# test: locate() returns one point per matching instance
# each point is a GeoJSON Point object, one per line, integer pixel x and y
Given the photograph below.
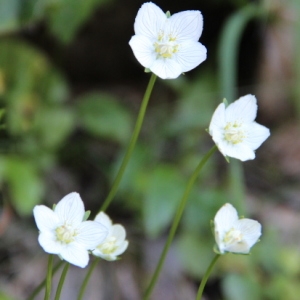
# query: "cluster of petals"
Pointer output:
{"type": "Point", "coordinates": [63, 230]}
{"type": "Point", "coordinates": [167, 45]}
{"type": "Point", "coordinates": [234, 130]}
{"type": "Point", "coordinates": [233, 234]}
{"type": "Point", "coordinates": [115, 243]}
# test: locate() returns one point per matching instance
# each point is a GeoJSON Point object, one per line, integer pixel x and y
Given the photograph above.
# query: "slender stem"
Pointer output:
{"type": "Point", "coordinates": [87, 278]}
{"type": "Point", "coordinates": [176, 221]}
{"type": "Point", "coordinates": [42, 284]}
{"type": "Point", "coordinates": [131, 145]}
{"type": "Point", "coordinates": [206, 276]}
{"type": "Point", "coordinates": [228, 74]}
{"type": "Point", "coordinates": [62, 281]}
{"type": "Point", "coordinates": [49, 278]}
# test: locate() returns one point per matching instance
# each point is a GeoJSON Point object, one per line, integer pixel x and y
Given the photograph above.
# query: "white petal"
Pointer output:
{"type": "Point", "coordinates": [118, 232]}
{"type": "Point", "coordinates": [45, 218]}
{"type": "Point", "coordinates": [70, 209]}
{"type": "Point", "coordinates": [121, 249]}
{"type": "Point", "coordinates": [217, 122]}
{"type": "Point", "coordinates": [91, 234]}
{"type": "Point", "coordinates": [256, 135]}
{"type": "Point", "coordinates": [104, 219]}
{"type": "Point", "coordinates": [49, 243]}
{"type": "Point", "coordinates": [75, 254]}
{"type": "Point", "coordinates": [224, 219]}
{"type": "Point", "coordinates": [241, 247]}
{"type": "Point", "coordinates": [243, 110]}
{"type": "Point", "coordinates": [250, 229]}
{"type": "Point", "coordinates": [149, 20]}
{"type": "Point", "coordinates": [190, 55]}
{"type": "Point", "coordinates": [143, 50]}
{"type": "Point", "coordinates": [166, 68]}
{"type": "Point", "coordinates": [239, 151]}
{"type": "Point", "coordinates": [186, 25]}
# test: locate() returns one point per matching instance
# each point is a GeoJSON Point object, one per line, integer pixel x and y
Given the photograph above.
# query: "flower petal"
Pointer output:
{"type": "Point", "coordinates": [166, 68]}
{"type": "Point", "coordinates": [49, 243]}
{"type": "Point", "coordinates": [70, 209]}
{"type": "Point", "coordinates": [45, 218]}
{"type": "Point", "coordinates": [190, 55]}
{"type": "Point", "coordinates": [217, 122]}
{"type": "Point", "coordinates": [149, 20]}
{"type": "Point", "coordinates": [250, 229]}
{"type": "Point", "coordinates": [75, 254]}
{"type": "Point", "coordinates": [143, 50]}
{"type": "Point", "coordinates": [224, 218]}
{"type": "Point", "coordinates": [103, 219]}
{"type": "Point", "coordinates": [118, 232]}
{"type": "Point", "coordinates": [91, 234]}
{"type": "Point", "coordinates": [243, 110]}
{"type": "Point", "coordinates": [239, 151]}
{"type": "Point", "coordinates": [256, 135]}
{"type": "Point", "coordinates": [241, 247]}
{"type": "Point", "coordinates": [121, 249]}
{"type": "Point", "coordinates": [186, 25]}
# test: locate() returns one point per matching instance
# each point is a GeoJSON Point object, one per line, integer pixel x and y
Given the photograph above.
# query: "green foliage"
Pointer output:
{"type": "Point", "coordinates": [32, 92]}
{"type": "Point", "coordinates": [165, 186]}
{"type": "Point", "coordinates": [102, 116]}
{"type": "Point", "coordinates": [66, 16]}
{"type": "Point", "coordinates": [236, 286]}
{"type": "Point", "coordinates": [25, 182]}
{"type": "Point", "coordinates": [195, 252]}
{"type": "Point", "coordinates": [17, 13]}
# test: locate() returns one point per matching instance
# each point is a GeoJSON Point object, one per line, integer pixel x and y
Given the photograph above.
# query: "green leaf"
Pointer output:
{"type": "Point", "coordinates": [25, 184]}
{"type": "Point", "coordinates": [9, 13]}
{"type": "Point", "coordinates": [238, 286]}
{"type": "Point", "coordinates": [15, 14]}
{"type": "Point", "coordinates": [195, 252]}
{"type": "Point", "coordinates": [53, 125]}
{"type": "Point", "coordinates": [195, 106]}
{"type": "Point", "coordinates": [164, 190]}
{"type": "Point", "coordinates": [66, 16]}
{"type": "Point", "coordinates": [102, 116]}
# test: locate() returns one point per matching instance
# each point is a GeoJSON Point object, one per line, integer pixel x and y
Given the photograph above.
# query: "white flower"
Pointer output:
{"type": "Point", "coordinates": [115, 243]}
{"type": "Point", "coordinates": [234, 131]}
{"type": "Point", "coordinates": [167, 45]}
{"type": "Point", "coordinates": [233, 234]}
{"type": "Point", "coordinates": [63, 231]}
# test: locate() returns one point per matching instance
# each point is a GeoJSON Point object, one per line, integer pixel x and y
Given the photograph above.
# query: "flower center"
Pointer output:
{"type": "Point", "coordinates": [233, 236]}
{"type": "Point", "coordinates": [165, 46]}
{"type": "Point", "coordinates": [109, 246]}
{"type": "Point", "coordinates": [65, 234]}
{"type": "Point", "coordinates": [234, 133]}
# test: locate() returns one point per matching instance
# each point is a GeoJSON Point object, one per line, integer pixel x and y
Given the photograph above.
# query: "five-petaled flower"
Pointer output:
{"type": "Point", "coordinates": [234, 130]}
{"type": "Point", "coordinates": [64, 232]}
{"type": "Point", "coordinates": [115, 243]}
{"type": "Point", "coordinates": [233, 234]}
{"type": "Point", "coordinates": [167, 45]}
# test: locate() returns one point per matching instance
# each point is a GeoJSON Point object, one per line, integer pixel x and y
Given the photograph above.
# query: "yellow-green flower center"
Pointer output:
{"type": "Point", "coordinates": [233, 236]}
{"type": "Point", "coordinates": [109, 246]}
{"type": "Point", "coordinates": [65, 234]}
{"type": "Point", "coordinates": [234, 133]}
{"type": "Point", "coordinates": [165, 47]}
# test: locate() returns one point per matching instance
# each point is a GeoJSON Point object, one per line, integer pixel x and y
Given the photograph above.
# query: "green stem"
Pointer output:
{"type": "Point", "coordinates": [131, 145]}
{"type": "Point", "coordinates": [42, 284]}
{"type": "Point", "coordinates": [176, 221]}
{"type": "Point", "coordinates": [62, 281]}
{"type": "Point", "coordinates": [49, 278]}
{"type": "Point", "coordinates": [87, 278]}
{"type": "Point", "coordinates": [228, 60]}
{"type": "Point", "coordinates": [206, 276]}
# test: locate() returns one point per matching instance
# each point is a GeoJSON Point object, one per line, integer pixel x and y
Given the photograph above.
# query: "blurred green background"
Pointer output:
{"type": "Point", "coordinates": [70, 90]}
